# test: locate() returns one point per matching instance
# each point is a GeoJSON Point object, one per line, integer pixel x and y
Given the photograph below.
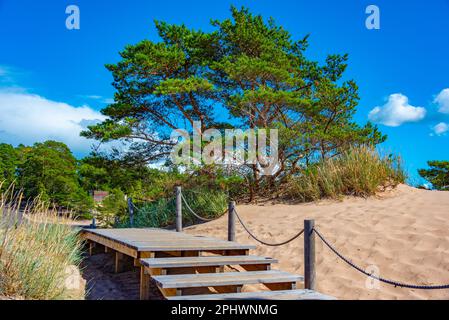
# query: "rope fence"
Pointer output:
{"type": "Point", "coordinates": [387, 281]}
{"type": "Point", "coordinates": [194, 213]}
{"type": "Point", "coordinates": [296, 236]}
{"type": "Point", "coordinates": [309, 244]}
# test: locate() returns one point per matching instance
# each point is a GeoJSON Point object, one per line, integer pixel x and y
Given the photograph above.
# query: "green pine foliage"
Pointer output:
{"type": "Point", "coordinates": [252, 67]}
{"type": "Point", "coordinates": [261, 77]}
{"type": "Point", "coordinates": [437, 174]}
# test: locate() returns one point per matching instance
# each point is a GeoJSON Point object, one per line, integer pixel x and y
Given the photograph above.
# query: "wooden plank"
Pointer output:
{"type": "Point", "coordinates": [144, 285]}
{"type": "Point", "coordinates": [228, 289]}
{"type": "Point", "coordinates": [170, 292]}
{"type": "Point", "coordinates": [183, 270]}
{"type": "Point", "coordinates": [225, 279]}
{"type": "Point", "coordinates": [281, 286]}
{"type": "Point", "coordinates": [240, 252]}
{"type": "Point", "coordinates": [151, 234]}
{"type": "Point", "coordinates": [111, 244]}
{"type": "Point", "coordinates": [264, 295]}
{"type": "Point", "coordinates": [190, 254]}
{"type": "Point", "coordinates": [206, 261]}
{"type": "Point", "coordinates": [143, 255]}
{"type": "Point", "coordinates": [180, 246]}
{"type": "Point", "coordinates": [256, 267]}
{"type": "Point", "coordinates": [149, 240]}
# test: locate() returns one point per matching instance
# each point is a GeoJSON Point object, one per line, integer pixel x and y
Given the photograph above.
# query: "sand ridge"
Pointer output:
{"type": "Point", "coordinates": [404, 233]}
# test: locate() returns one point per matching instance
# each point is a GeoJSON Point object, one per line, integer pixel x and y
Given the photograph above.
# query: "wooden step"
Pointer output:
{"type": "Point", "coordinates": [300, 294]}
{"type": "Point", "coordinates": [171, 285]}
{"type": "Point", "coordinates": [181, 262]}
{"type": "Point", "coordinates": [130, 241]}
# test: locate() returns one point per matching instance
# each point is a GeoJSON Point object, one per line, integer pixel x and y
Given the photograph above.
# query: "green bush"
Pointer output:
{"type": "Point", "coordinates": [161, 213]}
{"type": "Point", "coordinates": [113, 207]}
{"type": "Point", "coordinates": [359, 171]}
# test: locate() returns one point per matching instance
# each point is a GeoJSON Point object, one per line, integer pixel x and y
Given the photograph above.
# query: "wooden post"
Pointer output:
{"type": "Point", "coordinates": [131, 211]}
{"type": "Point", "coordinates": [231, 221]}
{"type": "Point", "coordinates": [178, 209]}
{"type": "Point", "coordinates": [144, 284]}
{"type": "Point", "coordinates": [309, 255]}
{"type": "Point", "coordinates": [119, 263]}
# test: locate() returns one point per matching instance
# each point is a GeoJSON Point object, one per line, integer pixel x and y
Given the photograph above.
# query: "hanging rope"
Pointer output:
{"type": "Point", "coordinates": [263, 242]}
{"type": "Point", "coordinates": [387, 281]}
{"type": "Point", "coordinates": [194, 213]}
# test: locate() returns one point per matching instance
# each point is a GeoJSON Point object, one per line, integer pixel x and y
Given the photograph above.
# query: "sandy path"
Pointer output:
{"type": "Point", "coordinates": [404, 233]}
{"type": "Point", "coordinates": [104, 284]}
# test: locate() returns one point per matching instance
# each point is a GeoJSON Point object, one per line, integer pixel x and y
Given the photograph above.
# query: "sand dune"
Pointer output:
{"type": "Point", "coordinates": [404, 233]}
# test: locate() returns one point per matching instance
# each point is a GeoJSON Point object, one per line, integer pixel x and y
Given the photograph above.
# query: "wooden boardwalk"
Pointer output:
{"type": "Point", "coordinates": [190, 267]}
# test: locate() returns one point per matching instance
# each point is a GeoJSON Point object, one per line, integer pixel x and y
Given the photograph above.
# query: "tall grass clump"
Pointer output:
{"type": "Point", "coordinates": [38, 248]}
{"type": "Point", "coordinates": [358, 171]}
{"type": "Point", "coordinates": [209, 204]}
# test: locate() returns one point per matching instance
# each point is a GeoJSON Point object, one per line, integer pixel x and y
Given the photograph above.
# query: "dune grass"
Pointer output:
{"type": "Point", "coordinates": [37, 251]}
{"type": "Point", "coordinates": [359, 171]}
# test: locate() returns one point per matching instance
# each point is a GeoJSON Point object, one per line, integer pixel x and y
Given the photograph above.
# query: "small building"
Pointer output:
{"type": "Point", "coordinates": [99, 196]}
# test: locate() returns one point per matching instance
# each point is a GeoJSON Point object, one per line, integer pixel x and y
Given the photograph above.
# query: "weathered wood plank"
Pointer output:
{"type": "Point", "coordinates": [157, 240]}
{"type": "Point", "coordinates": [225, 279]}
{"type": "Point", "coordinates": [207, 261]}
{"type": "Point", "coordinates": [264, 295]}
{"type": "Point", "coordinates": [281, 286]}
{"type": "Point", "coordinates": [183, 270]}
{"type": "Point", "coordinates": [185, 246]}
{"type": "Point", "coordinates": [111, 244]}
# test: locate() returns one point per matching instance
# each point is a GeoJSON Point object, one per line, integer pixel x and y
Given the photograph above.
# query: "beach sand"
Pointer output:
{"type": "Point", "coordinates": [404, 233]}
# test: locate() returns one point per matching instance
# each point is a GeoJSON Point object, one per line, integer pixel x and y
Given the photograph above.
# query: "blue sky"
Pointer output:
{"type": "Point", "coordinates": [53, 81]}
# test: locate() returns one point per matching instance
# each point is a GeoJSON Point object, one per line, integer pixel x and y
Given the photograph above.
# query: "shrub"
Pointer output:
{"type": "Point", "coordinates": [113, 207]}
{"type": "Point", "coordinates": [161, 213]}
{"type": "Point", "coordinates": [36, 254]}
{"type": "Point", "coordinates": [359, 171]}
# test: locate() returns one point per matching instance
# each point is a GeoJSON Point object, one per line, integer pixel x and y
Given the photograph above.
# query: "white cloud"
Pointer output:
{"type": "Point", "coordinates": [441, 128]}
{"type": "Point", "coordinates": [396, 112]}
{"type": "Point", "coordinates": [27, 118]}
{"type": "Point", "coordinates": [98, 98]}
{"type": "Point", "coordinates": [442, 100]}
{"type": "Point", "coordinates": [94, 97]}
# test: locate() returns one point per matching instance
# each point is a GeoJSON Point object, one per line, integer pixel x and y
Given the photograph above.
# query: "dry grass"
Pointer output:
{"type": "Point", "coordinates": [360, 171]}
{"type": "Point", "coordinates": [36, 251]}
